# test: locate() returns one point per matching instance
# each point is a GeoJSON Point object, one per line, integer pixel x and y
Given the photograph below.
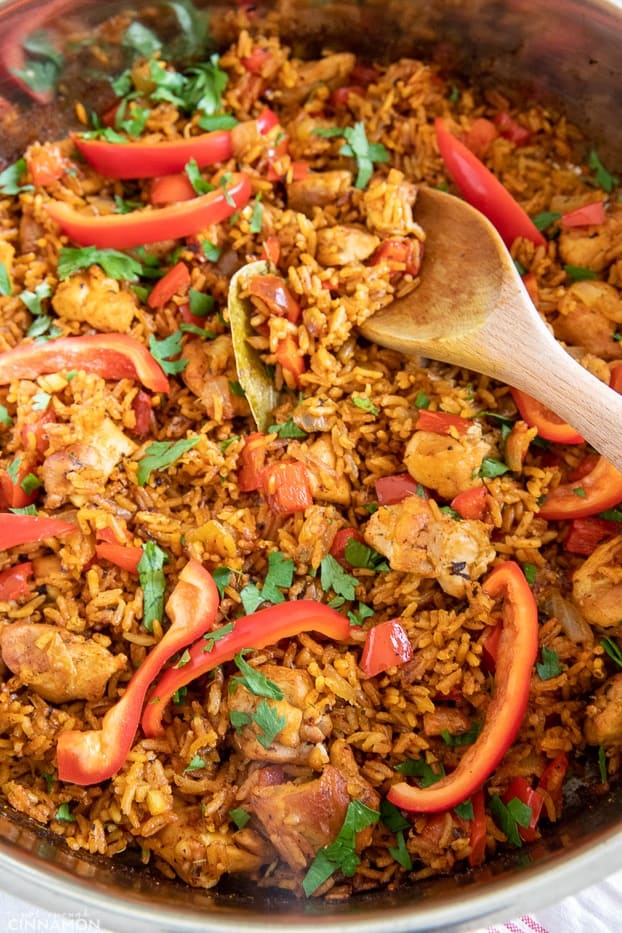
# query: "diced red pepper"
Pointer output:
{"type": "Point", "coordinates": [45, 164]}
{"type": "Point", "coordinates": [340, 543]}
{"type": "Point", "coordinates": [552, 779]}
{"type": "Point", "coordinates": [94, 756]}
{"type": "Point", "coordinates": [480, 135]}
{"type": "Point", "coordinates": [13, 495]}
{"type": "Point", "coordinates": [174, 282]}
{"type": "Point", "coordinates": [261, 628]}
{"type": "Point", "coordinates": [29, 529]}
{"type": "Point", "coordinates": [441, 422]}
{"type": "Point", "coordinates": [124, 556]}
{"type": "Point", "coordinates": [14, 581]}
{"type": "Point", "coordinates": [256, 61]}
{"type": "Point", "coordinates": [549, 425]}
{"type": "Point", "coordinates": [272, 249]}
{"type": "Point", "coordinates": [138, 228]}
{"type": "Point", "coordinates": [252, 461]}
{"type": "Point", "coordinates": [598, 490]}
{"type": "Point", "coordinates": [395, 488]}
{"type": "Point", "coordinates": [170, 189]}
{"type": "Point", "coordinates": [518, 648]}
{"type": "Point", "coordinates": [589, 215]}
{"type": "Point", "coordinates": [141, 406]}
{"type": "Point", "coordinates": [521, 790]}
{"type": "Point", "coordinates": [111, 356]}
{"type": "Point", "coordinates": [477, 836]}
{"type": "Point", "coordinates": [275, 294]}
{"type": "Point", "coordinates": [286, 487]}
{"type": "Point", "coordinates": [288, 355]}
{"type": "Point", "coordinates": [404, 252]}
{"type": "Point", "coordinates": [386, 645]}
{"type": "Point", "coordinates": [510, 129]}
{"type": "Point", "coordinates": [585, 534]}
{"type": "Point", "coordinates": [483, 191]}
{"type": "Point", "coordinates": [471, 503]}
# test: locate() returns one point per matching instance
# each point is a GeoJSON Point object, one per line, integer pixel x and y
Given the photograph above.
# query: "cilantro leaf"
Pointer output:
{"type": "Point", "coordinates": [254, 681]}
{"type": "Point", "coordinates": [222, 578]}
{"type": "Point", "coordinates": [5, 281]}
{"type": "Point", "coordinates": [422, 399]}
{"type": "Point", "coordinates": [140, 39]}
{"type": "Point", "coordinates": [256, 221]}
{"type": "Point", "coordinates": [161, 454]}
{"type": "Point", "coordinates": [400, 853]}
{"type": "Point", "coordinates": [200, 303]}
{"type": "Point", "coordinates": [240, 816]}
{"type": "Point", "coordinates": [357, 616]}
{"type": "Point", "coordinates": [280, 574]}
{"type": "Point", "coordinates": [392, 817]}
{"type": "Point", "coordinates": [217, 121]}
{"type": "Point", "coordinates": [33, 299]}
{"type": "Point", "coordinates": [365, 404]}
{"type": "Point", "coordinates": [287, 428]}
{"type": "Point", "coordinates": [612, 648]}
{"type": "Point", "coordinates": [491, 468]}
{"type": "Point", "coordinates": [333, 576]}
{"type": "Point", "coordinates": [359, 554]}
{"type": "Point", "coordinates": [463, 738]}
{"type": "Point", "coordinates": [418, 767]}
{"type": "Point", "coordinates": [216, 635]}
{"type": "Point", "coordinates": [208, 83]}
{"type": "Point", "coordinates": [10, 178]}
{"type": "Point", "coordinates": [340, 854]}
{"type": "Point", "coordinates": [549, 667]}
{"type": "Point", "coordinates": [510, 816]}
{"type": "Point", "coordinates": [544, 219]}
{"type": "Point", "coordinates": [64, 814]}
{"type": "Point", "coordinates": [239, 720]}
{"type": "Point", "coordinates": [197, 764]}
{"type": "Point", "coordinates": [153, 583]}
{"type": "Point", "coordinates": [365, 153]}
{"type": "Point", "coordinates": [269, 722]}
{"type": "Point", "coordinates": [193, 174]}
{"type": "Point", "coordinates": [163, 350]}
{"type": "Point", "coordinates": [5, 417]}
{"type": "Point", "coordinates": [602, 177]}
{"type": "Point", "coordinates": [115, 264]}
{"type": "Point", "coordinates": [579, 273]}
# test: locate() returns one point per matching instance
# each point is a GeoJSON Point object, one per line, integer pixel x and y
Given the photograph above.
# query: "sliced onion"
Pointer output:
{"type": "Point", "coordinates": [572, 622]}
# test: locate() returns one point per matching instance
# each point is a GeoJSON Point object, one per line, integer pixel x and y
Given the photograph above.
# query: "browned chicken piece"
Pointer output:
{"type": "Point", "coordinates": [331, 71]}
{"type": "Point", "coordinates": [597, 585]}
{"type": "Point", "coordinates": [415, 541]}
{"type": "Point", "coordinates": [445, 463]}
{"type": "Point", "coordinates": [603, 717]}
{"type": "Point", "coordinates": [304, 728]}
{"type": "Point", "coordinates": [445, 720]}
{"type": "Point", "coordinates": [79, 471]}
{"type": "Point", "coordinates": [319, 527]}
{"type": "Point", "coordinates": [343, 244]}
{"type": "Point", "coordinates": [30, 233]}
{"type": "Point", "coordinates": [400, 195]}
{"type": "Point", "coordinates": [97, 300]}
{"type": "Point", "coordinates": [206, 376]}
{"type": "Point", "coordinates": [328, 481]}
{"type": "Point", "coordinates": [593, 247]}
{"type": "Point", "coordinates": [342, 758]}
{"type": "Point", "coordinates": [57, 664]}
{"type": "Point", "coordinates": [318, 189]}
{"type": "Point", "coordinates": [200, 856]}
{"type": "Point", "coordinates": [589, 315]}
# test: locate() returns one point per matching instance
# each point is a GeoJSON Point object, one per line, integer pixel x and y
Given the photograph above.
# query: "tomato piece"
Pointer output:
{"type": "Point", "coordinates": [395, 488]}
{"type": "Point", "coordinates": [175, 281]}
{"type": "Point", "coordinates": [520, 788]}
{"type": "Point", "coordinates": [441, 422]}
{"type": "Point", "coordinates": [252, 461]}
{"type": "Point", "coordinates": [124, 556]}
{"type": "Point", "coordinates": [340, 543]}
{"type": "Point", "coordinates": [549, 425]}
{"type": "Point", "coordinates": [45, 164]}
{"type": "Point", "coordinates": [586, 216]}
{"type": "Point", "coordinates": [286, 487]}
{"type": "Point", "coordinates": [275, 294]}
{"type": "Point", "coordinates": [480, 135]}
{"type": "Point", "coordinates": [170, 189]}
{"type": "Point", "coordinates": [386, 645]}
{"type": "Point", "coordinates": [471, 503]}
{"type": "Point", "coordinates": [510, 129]}
{"type": "Point", "coordinates": [14, 581]}
{"type": "Point", "coordinates": [477, 837]}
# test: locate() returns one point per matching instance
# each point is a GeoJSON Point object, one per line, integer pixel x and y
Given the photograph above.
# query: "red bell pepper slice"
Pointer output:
{"type": "Point", "coordinates": [123, 231]}
{"type": "Point", "coordinates": [395, 488]}
{"type": "Point", "coordinates": [589, 215]}
{"type": "Point", "coordinates": [441, 422]}
{"type": "Point", "coordinates": [471, 503]}
{"type": "Point", "coordinates": [275, 294]}
{"type": "Point", "coordinates": [173, 282]}
{"type": "Point", "coordinates": [257, 630]}
{"type": "Point", "coordinates": [111, 356]}
{"type": "Point", "coordinates": [585, 534]}
{"type": "Point", "coordinates": [169, 189]}
{"type": "Point", "coordinates": [520, 789]}
{"type": "Point", "coordinates": [518, 646]}
{"type": "Point", "coordinates": [14, 581]}
{"type": "Point", "coordinates": [29, 529]}
{"type": "Point", "coordinates": [122, 555]}
{"type": "Point", "coordinates": [386, 645]}
{"type": "Point", "coordinates": [96, 755]}
{"type": "Point", "coordinates": [490, 648]}
{"type": "Point", "coordinates": [286, 487]}
{"type": "Point", "coordinates": [483, 191]}
{"type": "Point", "coordinates": [477, 837]}
{"type": "Point", "coordinates": [549, 425]}
{"type": "Point", "coordinates": [599, 489]}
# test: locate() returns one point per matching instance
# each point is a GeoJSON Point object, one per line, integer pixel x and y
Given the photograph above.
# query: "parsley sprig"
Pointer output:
{"type": "Point", "coordinates": [341, 854]}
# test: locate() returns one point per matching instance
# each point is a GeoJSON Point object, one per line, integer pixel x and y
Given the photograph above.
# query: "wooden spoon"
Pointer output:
{"type": "Point", "coordinates": [472, 309]}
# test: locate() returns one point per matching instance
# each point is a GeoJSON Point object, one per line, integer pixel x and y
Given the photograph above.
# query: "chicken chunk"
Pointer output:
{"type": "Point", "coordinates": [332, 70]}
{"type": "Point", "coordinates": [445, 463]}
{"type": "Point", "coordinates": [593, 247]}
{"type": "Point", "coordinates": [201, 857]}
{"type": "Point", "coordinates": [303, 727]}
{"type": "Point", "coordinates": [318, 189]}
{"type": "Point", "coordinates": [79, 471]}
{"type": "Point", "coordinates": [388, 203]}
{"type": "Point", "coordinates": [206, 376]}
{"type": "Point", "coordinates": [415, 541]}
{"type": "Point", "coordinates": [56, 664]}
{"type": "Point", "coordinates": [97, 300]}
{"type": "Point", "coordinates": [343, 244]}
{"type": "Point", "coordinates": [588, 317]}
{"type": "Point", "coordinates": [597, 585]}
{"type": "Point", "coordinates": [603, 717]}
{"type": "Point", "coordinates": [328, 481]}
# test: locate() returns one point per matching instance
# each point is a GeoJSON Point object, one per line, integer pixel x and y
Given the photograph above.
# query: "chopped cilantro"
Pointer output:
{"type": "Point", "coordinates": [602, 764]}
{"type": "Point", "coordinates": [43, 328]}
{"type": "Point", "coordinates": [254, 681]}
{"type": "Point", "coordinates": [365, 404]}
{"type": "Point", "coordinates": [357, 616]}
{"type": "Point", "coordinates": [140, 39]}
{"type": "Point", "coordinates": [392, 817]}
{"type": "Point", "coordinates": [465, 810]}
{"type": "Point", "coordinates": [549, 667]}
{"type": "Point", "coordinates": [11, 176]}
{"type": "Point", "coordinates": [40, 73]}
{"type": "Point", "coordinates": [400, 853]}
{"type": "Point", "coordinates": [210, 250]}
{"type": "Point", "coordinates": [418, 767]}
{"type": "Point", "coordinates": [612, 515]}
{"type": "Point", "coordinates": [256, 221]}
{"type": "Point", "coordinates": [579, 491]}
{"type": "Point", "coordinates": [197, 764]}
{"type": "Point", "coordinates": [359, 554]}
{"type": "Point", "coordinates": [240, 816]}
{"type": "Point", "coordinates": [280, 575]}
{"type": "Point", "coordinates": [269, 722]}
{"type": "Point", "coordinates": [161, 454]}
{"type": "Point", "coordinates": [207, 85]}
{"type": "Point", "coordinates": [340, 854]}
{"type": "Point", "coordinates": [422, 400]}
{"type": "Point", "coordinates": [200, 304]}
{"type": "Point", "coordinates": [217, 121]}
{"type": "Point", "coordinates": [33, 299]}
{"type": "Point", "coordinates": [5, 281]}
{"type": "Point", "coordinates": [115, 264]}
{"type": "Point", "coordinates": [612, 648]}
{"type": "Point", "coordinates": [30, 483]}
{"type": "Point", "coordinates": [222, 578]}
{"type": "Point", "coordinates": [183, 659]}
{"type": "Point", "coordinates": [216, 635]}
{"type": "Point", "coordinates": [193, 172]}
{"type": "Point", "coordinates": [287, 428]}
{"type": "Point", "coordinates": [5, 417]}
{"type": "Point", "coordinates": [491, 468]}
{"type": "Point", "coordinates": [153, 583]}
{"type": "Point", "coordinates": [64, 814]}
{"type": "Point", "coordinates": [239, 720]}
{"type": "Point", "coordinates": [163, 351]}
{"type": "Point", "coordinates": [48, 777]}
{"type": "Point", "coordinates": [26, 510]}
{"type": "Point", "coordinates": [365, 153]}
{"type": "Point", "coordinates": [602, 177]}
{"type": "Point", "coordinates": [579, 273]}
{"type": "Point", "coordinates": [236, 388]}
{"type": "Point", "coordinates": [530, 571]}
{"type": "Point", "coordinates": [124, 206]}
{"type": "Point", "coordinates": [180, 695]}
{"type": "Point", "coordinates": [334, 577]}
{"type": "Point", "coordinates": [132, 120]}
{"type": "Point", "coordinates": [222, 184]}
{"type": "Point", "coordinates": [544, 219]}
{"type": "Point", "coordinates": [13, 470]}
{"type": "Point", "coordinates": [199, 331]}
{"type": "Point", "coordinates": [463, 738]}
{"type": "Point", "coordinates": [509, 817]}
{"type": "Point", "coordinates": [454, 94]}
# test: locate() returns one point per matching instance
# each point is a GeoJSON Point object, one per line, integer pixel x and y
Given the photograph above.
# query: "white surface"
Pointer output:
{"type": "Point", "coordinates": [598, 909]}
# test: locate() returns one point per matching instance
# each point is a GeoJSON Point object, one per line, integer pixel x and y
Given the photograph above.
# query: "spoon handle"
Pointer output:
{"type": "Point", "coordinates": [541, 367]}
